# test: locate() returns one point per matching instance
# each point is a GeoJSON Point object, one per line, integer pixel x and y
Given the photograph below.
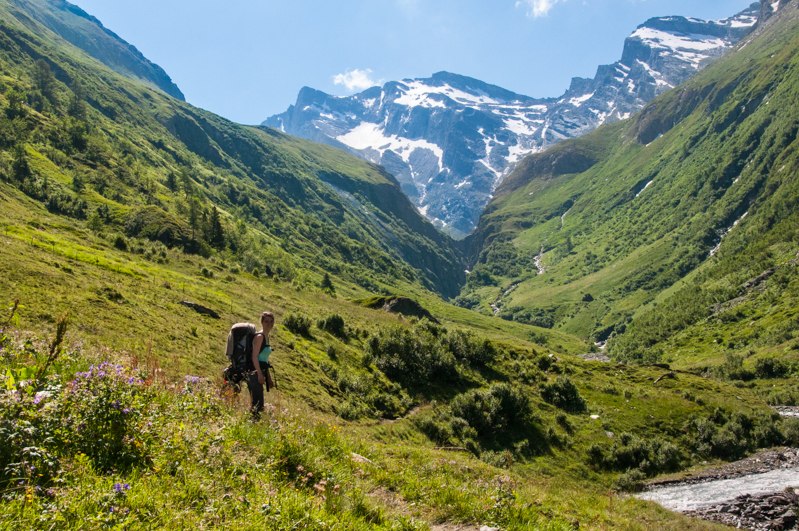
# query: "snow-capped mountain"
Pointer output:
{"type": "Point", "coordinates": [450, 140]}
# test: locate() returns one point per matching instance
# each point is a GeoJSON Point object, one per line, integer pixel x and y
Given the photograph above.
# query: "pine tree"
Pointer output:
{"type": "Point", "coordinates": [194, 216]}
{"type": "Point", "coordinates": [327, 285]}
{"type": "Point", "coordinates": [186, 182]}
{"type": "Point", "coordinates": [217, 233]}
{"type": "Point", "coordinates": [20, 163]}
{"type": "Point", "coordinates": [43, 80]}
{"type": "Point", "coordinates": [172, 182]}
{"type": "Point", "coordinates": [77, 104]}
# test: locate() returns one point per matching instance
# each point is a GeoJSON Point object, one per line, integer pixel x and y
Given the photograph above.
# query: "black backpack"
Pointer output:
{"type": "Point", "coordinates": [239, 352]}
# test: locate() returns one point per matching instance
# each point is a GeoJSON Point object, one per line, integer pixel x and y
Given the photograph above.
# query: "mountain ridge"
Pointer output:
{"type": "Point", "coordinates": [86, 32]}
{"type": "Point", "coordinates": [451, 140]}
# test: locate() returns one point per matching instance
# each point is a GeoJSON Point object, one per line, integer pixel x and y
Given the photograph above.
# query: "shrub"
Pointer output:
{"type": "Point", "coordinates": [334, 325]}
{"type": "Point", "coordinates": [28, 451]}
{"type": "Point", "coordinates": [411, 356]}
{"type": "Point", "coordinates": [771, 368]}
{"type": "Point", "coordinates": [562, 393]}
{"type": "Point", "coordinates": [121, 243]}
{"type": "Point", "coordinates": [494, 410]}
{"type": "Point", "coordinates": [297, 323]}
{"type": "Point", "coordinates": [790, 428]}
{"type": "Point", "coordinates": [465, 345]}
{"type": "Point", "coordinates": [630, 481]}
{"type": "Point", "coordinates": [235, 270]}
{"type": "Point", "coordinates": [435, 430]}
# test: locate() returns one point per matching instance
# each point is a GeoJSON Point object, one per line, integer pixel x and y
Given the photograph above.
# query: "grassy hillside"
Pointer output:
{"type": "Point", "coordinates": [618, 220]}
{"type": "Point", "coordinates": [85, 140]}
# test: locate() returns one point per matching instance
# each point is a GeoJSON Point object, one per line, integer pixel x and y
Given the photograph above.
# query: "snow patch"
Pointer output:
{"type": "Point", "coordinates": [577, 102]}
{"type": "Point", "coordinates": [368, 135]}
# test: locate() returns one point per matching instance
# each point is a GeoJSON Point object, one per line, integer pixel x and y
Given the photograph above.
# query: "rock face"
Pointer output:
{"type": "Point", "coordinates": [450, 140]}
{"type": "Point", "coordinates": [84, 31]}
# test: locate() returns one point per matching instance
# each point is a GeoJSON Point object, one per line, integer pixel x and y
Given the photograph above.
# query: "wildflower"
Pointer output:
{"type": "Point", "coordinates": [121, 487]}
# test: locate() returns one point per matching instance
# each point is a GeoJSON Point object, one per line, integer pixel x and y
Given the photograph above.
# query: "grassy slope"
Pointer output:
{"type": "Point", "coordinates": [727, 148]}
{"type": "Point", "coordinates": [262, 178]}
{"type": "Point", "coordinates": [553, 475]}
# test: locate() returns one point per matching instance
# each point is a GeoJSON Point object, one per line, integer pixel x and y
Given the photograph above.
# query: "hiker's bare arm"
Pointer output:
{"type": "Point", "coordinates": [256, 348]}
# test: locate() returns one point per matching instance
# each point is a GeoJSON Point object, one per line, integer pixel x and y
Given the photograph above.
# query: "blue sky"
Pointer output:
{"type": "Point", "coordinates": [247, 59]}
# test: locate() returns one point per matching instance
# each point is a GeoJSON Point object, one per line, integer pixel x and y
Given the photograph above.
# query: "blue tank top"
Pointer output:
{"type": "Point", "coordinates": [266, 351]}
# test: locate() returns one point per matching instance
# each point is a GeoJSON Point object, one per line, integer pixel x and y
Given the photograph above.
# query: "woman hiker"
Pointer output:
{"type": "Point", "coordinates": [261, 350]}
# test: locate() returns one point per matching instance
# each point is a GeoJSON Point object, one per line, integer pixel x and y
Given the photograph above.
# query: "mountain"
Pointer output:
{"type": "Point", "coordinates": [450, 140]}
{"type": "Point", "coordinates": [72, 24]}
{"type": "Point", "coordinates": [650, 225]}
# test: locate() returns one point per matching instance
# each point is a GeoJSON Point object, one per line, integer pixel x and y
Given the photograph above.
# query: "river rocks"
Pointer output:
{"type": "Point", "coordinates": [788, 411]}
{"type": "Point", "coordinates": [596, 356]}
{"type": "Point", "coordinates": [773, 512]}
{"type": "Point", "coordinates": [760, 463]}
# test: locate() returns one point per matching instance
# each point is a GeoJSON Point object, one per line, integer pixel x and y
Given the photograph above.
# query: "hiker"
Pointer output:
{"type": "Point", "coordinates": [261, 350]}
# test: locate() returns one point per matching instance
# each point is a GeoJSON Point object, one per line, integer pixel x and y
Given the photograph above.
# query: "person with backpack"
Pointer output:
{"type": "Point", "coordinates": [261, 350]}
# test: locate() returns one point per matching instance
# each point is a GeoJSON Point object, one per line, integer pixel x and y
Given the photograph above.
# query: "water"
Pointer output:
{"type": "Point", "coordinates": [683, 498]}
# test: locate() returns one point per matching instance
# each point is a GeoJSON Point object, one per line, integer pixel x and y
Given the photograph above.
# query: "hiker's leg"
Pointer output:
{"type": "Point", "coordinates": [256, 395]}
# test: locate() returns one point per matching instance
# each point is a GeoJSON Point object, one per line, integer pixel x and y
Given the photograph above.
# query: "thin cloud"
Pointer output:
{"type": "Point", "coordinates": [538, 8]}
{"type": "Point", "coordinates": [355, 79]}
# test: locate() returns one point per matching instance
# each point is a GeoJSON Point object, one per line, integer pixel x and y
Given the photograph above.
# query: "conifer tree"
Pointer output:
{"type": "Point", "coordinates": [327, 285]}
{"type": "Point", "coordinates": [172, 182]}
{"type": "Point", "coordinates": [194, 216]}
{"type": "Point", "coordinates": [77, 104]}
{"type": "Point", "coordinates": [186, 182]}
{"type": "Point", "coordinates": [217, 233]}
{"type": "Point", "coordinates": [43, 80]}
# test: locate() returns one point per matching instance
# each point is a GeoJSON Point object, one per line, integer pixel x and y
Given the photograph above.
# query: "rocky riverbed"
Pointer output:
{"type": "Point", "coordinates": [756, 493]}
{"type": "Point", "coordinates": [772, 512]}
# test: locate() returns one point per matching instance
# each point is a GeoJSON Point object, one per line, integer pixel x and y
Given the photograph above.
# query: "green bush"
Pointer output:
{"type": "Point", "coordinates": [334, 325]}
{"type": "Point", "coordinates": [413, 357]}
{"type": "Point", "coordinates": [562, 393]}
{"type": "Point", "coordinates": [465, 345]}
{"type": "Point", "coordinates": [630, 481]}
{"type": "Point", "coordinates": [297, 323]}
{"type": "Point", "coordinates": [493, 411]}
{"type": "Point", "coordinates": [790, 428]}
{"type": "Point", "coordinates": [121, 243]}
{"type": "Point", "coordinates": [435, 430]}
{"type": "Point", "coordinates": [771, 368]}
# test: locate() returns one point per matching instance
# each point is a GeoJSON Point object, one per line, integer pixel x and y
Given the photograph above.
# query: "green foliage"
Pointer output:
{"type": "Point", "coordinates": [104, 412]}
{"type": "Point", "coordinates": [493, 411]}
{"type": "Point", "coordinates": [630, 481]}
{"type": "Point", "coordinates": [562, 393]}
{"type": "Point", "coordinates": [297, 323]}
{"type": "Point", "coordinates": [771, 368]}
{"type": "Point", "coordinates": [427, 353]}
{"type": "Point", "coordinates": [333, 324]}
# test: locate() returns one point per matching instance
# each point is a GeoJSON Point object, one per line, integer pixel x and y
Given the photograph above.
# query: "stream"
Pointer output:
{"type": "Point", "coordinates": [756, 493]}
{"type": "Point", "coordinates": [682, 498]}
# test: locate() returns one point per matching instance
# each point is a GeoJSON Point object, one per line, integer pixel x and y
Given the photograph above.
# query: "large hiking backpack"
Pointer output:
{"type": "Point", "coordinates": [239, 352]}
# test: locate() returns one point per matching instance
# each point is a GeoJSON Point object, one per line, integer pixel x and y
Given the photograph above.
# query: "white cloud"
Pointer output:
{"type": "Point", "coordinates": [356, 79]}
{"type": "Point", "coordinates": [538, 8]}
